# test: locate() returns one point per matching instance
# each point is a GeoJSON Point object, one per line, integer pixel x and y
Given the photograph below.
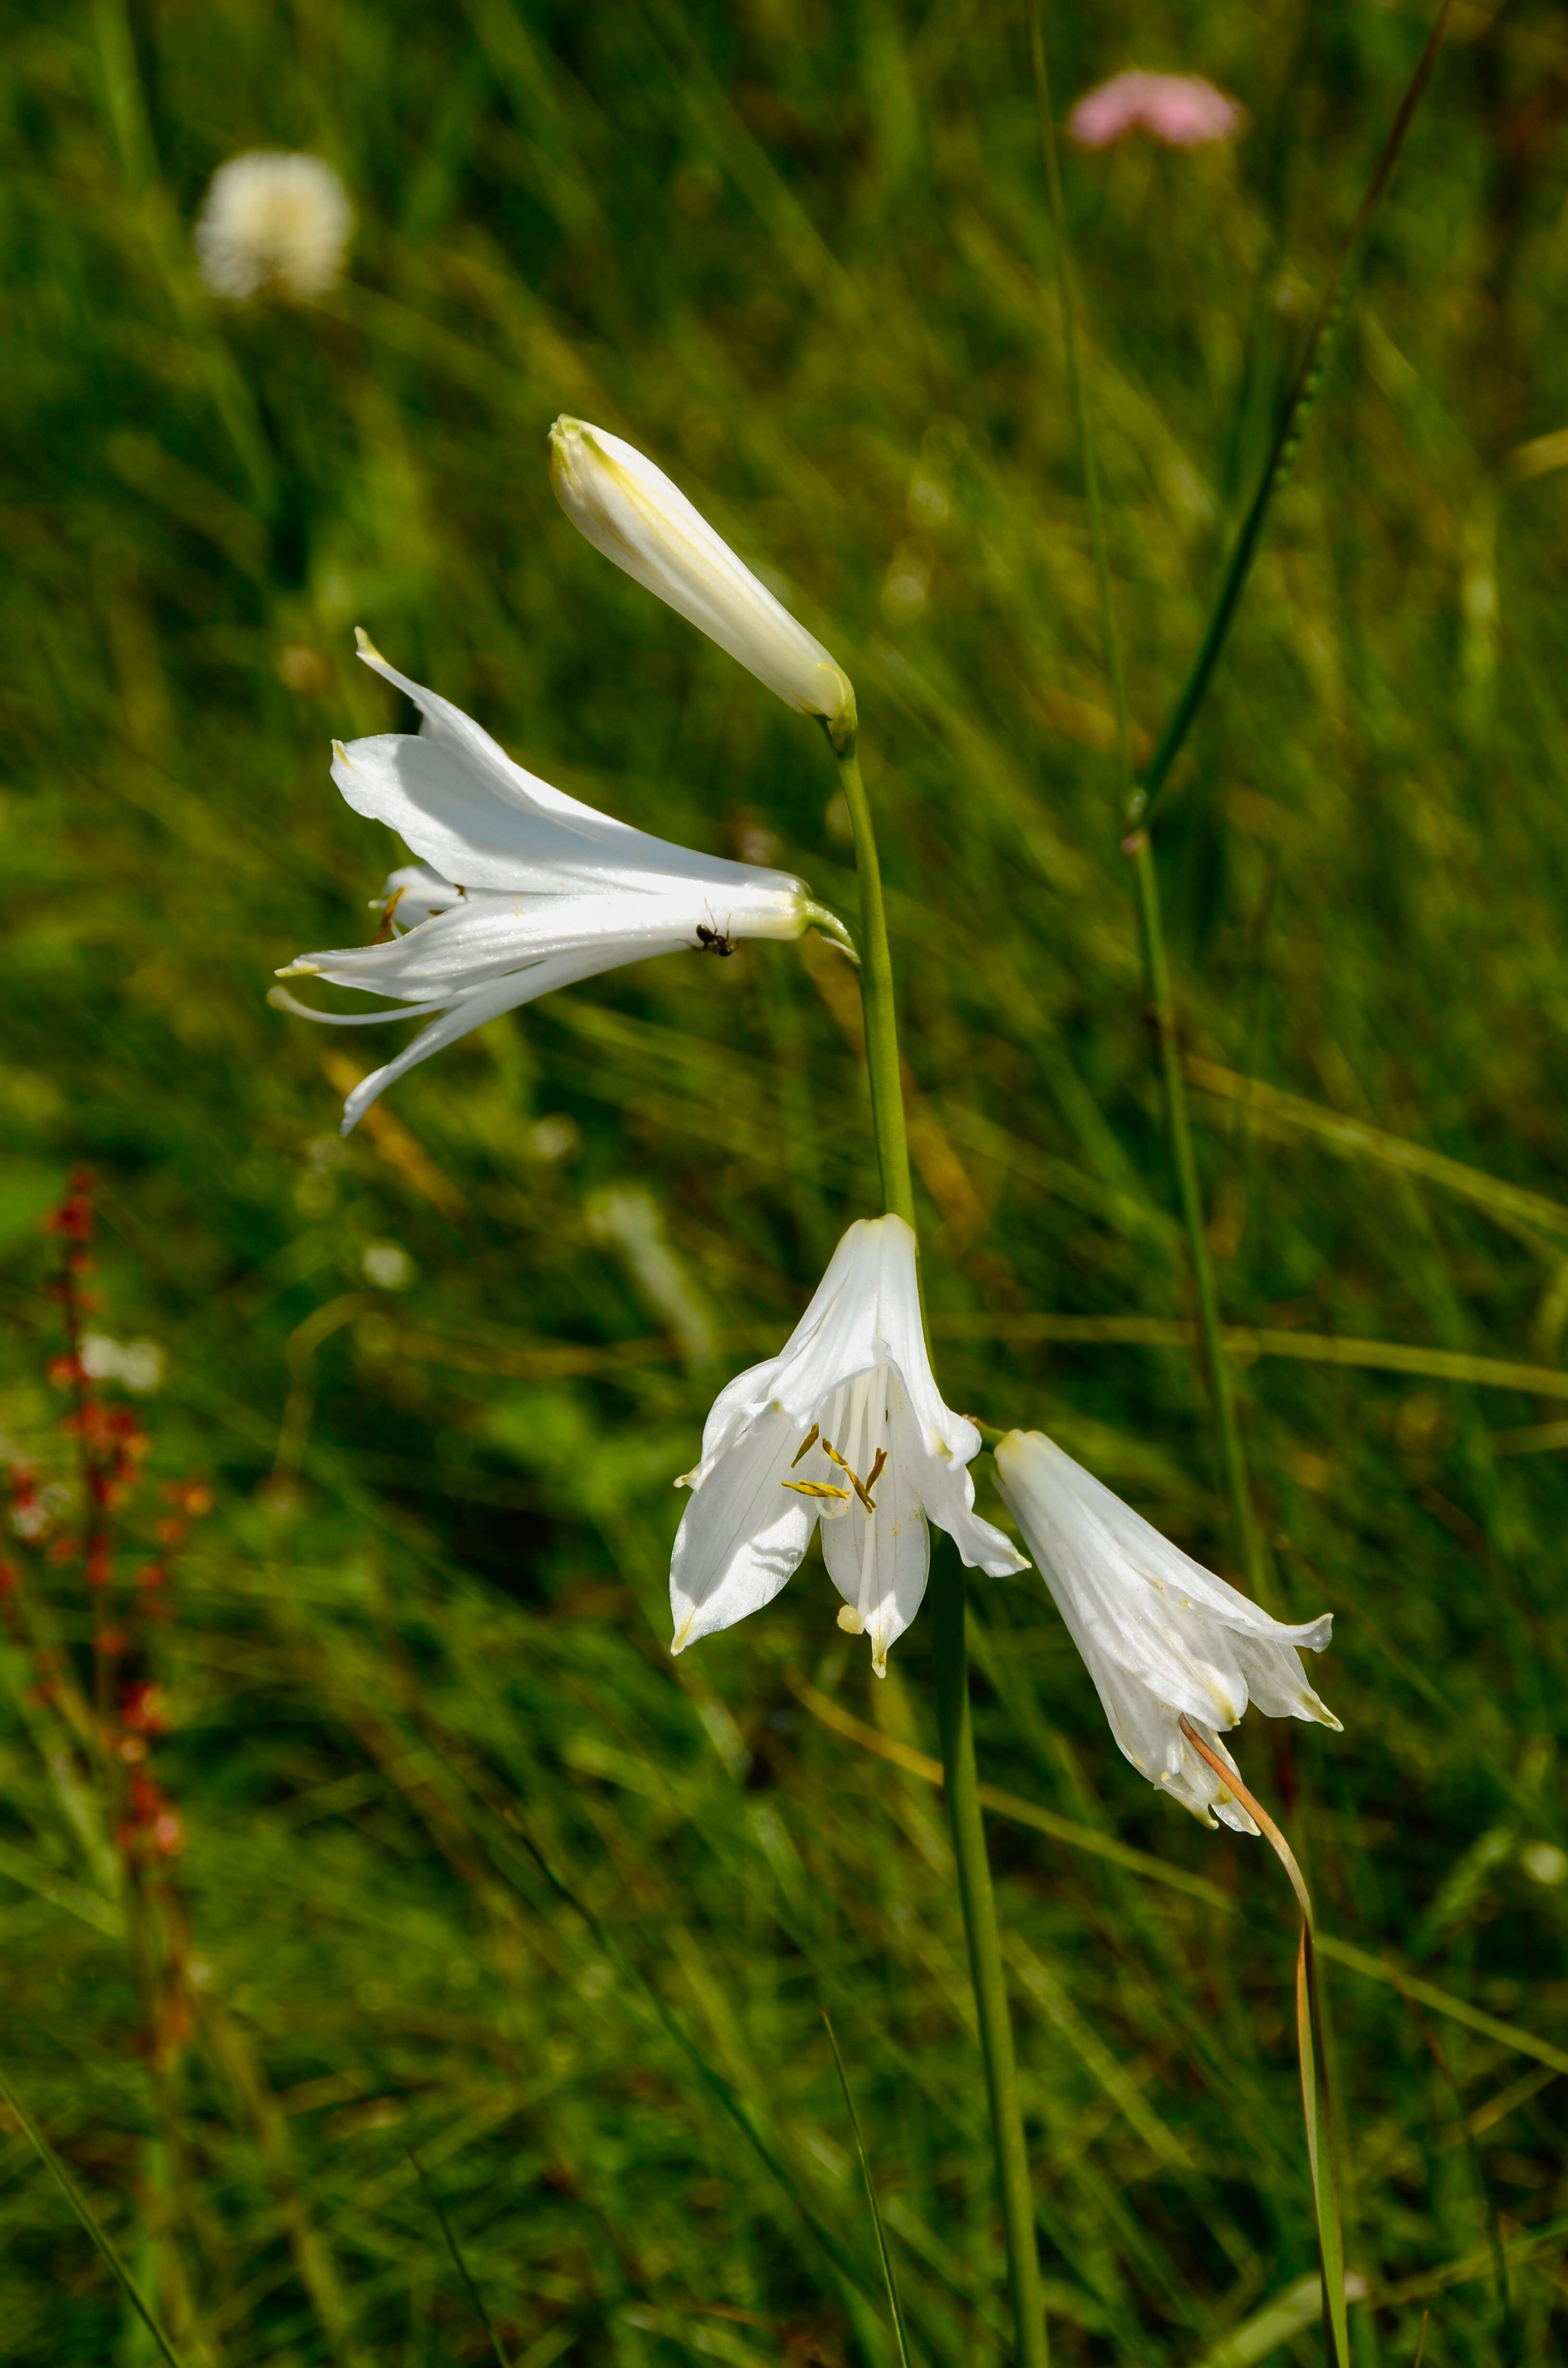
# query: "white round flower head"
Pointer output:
{"type": "Point", "coordinates": [845, 1427]}
{"type": "Point", "coordinates": [272, 225]}
{"type": "Point", "coordinates": [1161, 1637]}
{"type": "Point", "coordinates": [520, 888]}
{"type": "Point", "coordinates": [630, 510]}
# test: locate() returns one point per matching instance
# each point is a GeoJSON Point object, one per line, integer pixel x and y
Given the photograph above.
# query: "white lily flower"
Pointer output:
{"type": "Point", "coordinates": [1161, 1635]}
{"type": "Point", "coordinates": [845, 1426]}
{"type": "Point", "coordinates": [550, 893]}
{"type": "Point", "coordinates": [630, 511]}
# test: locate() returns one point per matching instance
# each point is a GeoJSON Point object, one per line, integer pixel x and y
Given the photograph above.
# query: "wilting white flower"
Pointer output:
{"type": "Point", "coordinates": [845, 1426]}
{"type": "Point", "coordinates": [1161, 1635]}
{"type": "Point", "coordinates": [630, 511]}
{"type": "Point", "coordinates": [550, 891]}
{"type": "Point", "coordinates": [273, 225]}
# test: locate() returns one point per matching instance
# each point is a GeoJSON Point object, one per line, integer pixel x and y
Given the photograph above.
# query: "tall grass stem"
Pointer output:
{"type": "Point", "coordinates": [1159, 999]}
{"type": "Point", "coordinates": [87, 2217]}
{"type": "Point", "coordinates": [894, 2305]}
{"type": "Point", "coordinates": [1289, 437]}
{"type": "Point", "coordinates": [463, 2272]}
{"type": "Point", "coordinates": [951, 1652]}
{"type": "Point", "coordinates": [1163, 1023]}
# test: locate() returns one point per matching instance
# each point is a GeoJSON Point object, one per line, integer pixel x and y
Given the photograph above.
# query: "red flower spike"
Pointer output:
{"type": "Point", "coordinates": [141, 1708]}
{"type": "Point", "coordinates": [74, 1218]}
{"type": "Point", "coordinates": [66, 1372]}
{"type": "Point", "coordinates": [152, 1574]}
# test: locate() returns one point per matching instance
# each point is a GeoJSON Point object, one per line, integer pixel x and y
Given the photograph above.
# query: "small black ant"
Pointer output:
{"type": "Point", "coordinates": [713, 941]}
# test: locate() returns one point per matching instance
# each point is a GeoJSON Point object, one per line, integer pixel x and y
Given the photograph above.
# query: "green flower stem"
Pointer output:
{"type": "Point", "coordinates": [877, 998]}
{"type": "Point", "coordinates": [1322, 2138]}
{"type": "Point", "coordinates": [948, 1598]}
{"type": "Point", "coordinates": [949, 1591]}
{"type": "Point", "coordinates": [1162, 1022]}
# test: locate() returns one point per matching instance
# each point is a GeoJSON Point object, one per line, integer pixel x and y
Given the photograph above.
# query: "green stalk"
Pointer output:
{"type": "Point", "coordinates": [1139, 795]}
{"type": "Point", "coordinates": [949, 1591]}
{"type": "Point", "coordinates": [1158, 996]}
{"type": "Point", "coordinates": [1288, 437]}
{"type": "Point", "coordinates": [949, 1647]}
{"type": "Point", "coordinates": [877, 998]}
{"type": "Point", "coordinates": [1163, 1021]}
{"type": "Point", "coordinates": [87, 2217]}
{"type": "Point", "coordinates": [1323, 2154]}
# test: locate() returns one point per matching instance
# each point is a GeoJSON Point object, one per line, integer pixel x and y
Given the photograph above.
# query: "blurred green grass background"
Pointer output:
{"type": "Point", "coordinates": [440, 1378]}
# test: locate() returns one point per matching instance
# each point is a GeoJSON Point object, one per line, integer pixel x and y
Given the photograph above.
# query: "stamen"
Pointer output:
{"type": "Point", "coordinates": [860, 1487]}
{"type": "Point", "coordinates": [384, 932]}
{"type": "Point", "coordinates": [809, 1441]}
{"type": "Point", "coordinates": [817, 1488]}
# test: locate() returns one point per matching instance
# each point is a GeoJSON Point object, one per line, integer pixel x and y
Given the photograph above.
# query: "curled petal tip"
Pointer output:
{"type": "Point", "coordinates": [366, 646]}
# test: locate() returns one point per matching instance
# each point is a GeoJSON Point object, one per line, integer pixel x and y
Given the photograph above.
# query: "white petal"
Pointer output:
{"type": "Point", "coordinates": [632, 511]}
{"type": "Point", "coordinates": [1159, 1635]}
{"type": "Point", "coordinates": [742, 1535]}
{"type": "Point", "coordinates": [472, 1011]}
{"type": "Point", "coordinates": [880, 1562]}
{"type": "Point", "coordinates": [489, 931]}
{"type": "Point", "coordinates": [460, 802]}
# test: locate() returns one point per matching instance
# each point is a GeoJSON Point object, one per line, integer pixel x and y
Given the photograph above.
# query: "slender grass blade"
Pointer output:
{"type": "Point", "coordinates": [462, 2268]}
{"type": "Point", "coordinates": [870, 2195]}
{"type": "Point", "coordinates": [88, 2218]}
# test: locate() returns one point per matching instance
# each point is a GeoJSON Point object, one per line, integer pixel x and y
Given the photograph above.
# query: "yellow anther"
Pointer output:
{"type": "Point", "coordinates": [862, 1488]}
{"type": "Point", "coordinates": [816, 1488]}
{"type": "Point", "coordinates": [809, 1441]}
{"type": "Point", "coordinates": [387, 909]}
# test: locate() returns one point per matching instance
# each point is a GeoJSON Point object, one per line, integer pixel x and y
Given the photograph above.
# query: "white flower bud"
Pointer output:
{"type": "Point", "coordinates": [630, 511]}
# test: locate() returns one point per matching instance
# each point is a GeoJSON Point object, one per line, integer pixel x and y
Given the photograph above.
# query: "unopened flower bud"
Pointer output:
{"type": "Point", "coordinates": [630, 511]}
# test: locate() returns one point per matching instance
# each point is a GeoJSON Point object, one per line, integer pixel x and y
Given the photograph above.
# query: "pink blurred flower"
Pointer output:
{"type": "Point", "coordinates": [1182, 110]}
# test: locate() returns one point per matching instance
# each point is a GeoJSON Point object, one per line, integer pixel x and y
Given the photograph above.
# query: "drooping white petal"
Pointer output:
{"type": "Point", "coordinates": [742, 1535]}
{"type": "Point", "coordinates": [1161, 1637]}
{"type": "Point", "coordinates": [879, 1561]}
{"type": "Point", "coordinates": [632, 511]}
{"type": "Point", "coordinates": [859, 1434]}
{"type": "Point", "coordinates": [460, 802]}
{"type": "Point", "coordinates": [489, 931]}
{"type": "Point", "coordinates": [470, 1011]}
